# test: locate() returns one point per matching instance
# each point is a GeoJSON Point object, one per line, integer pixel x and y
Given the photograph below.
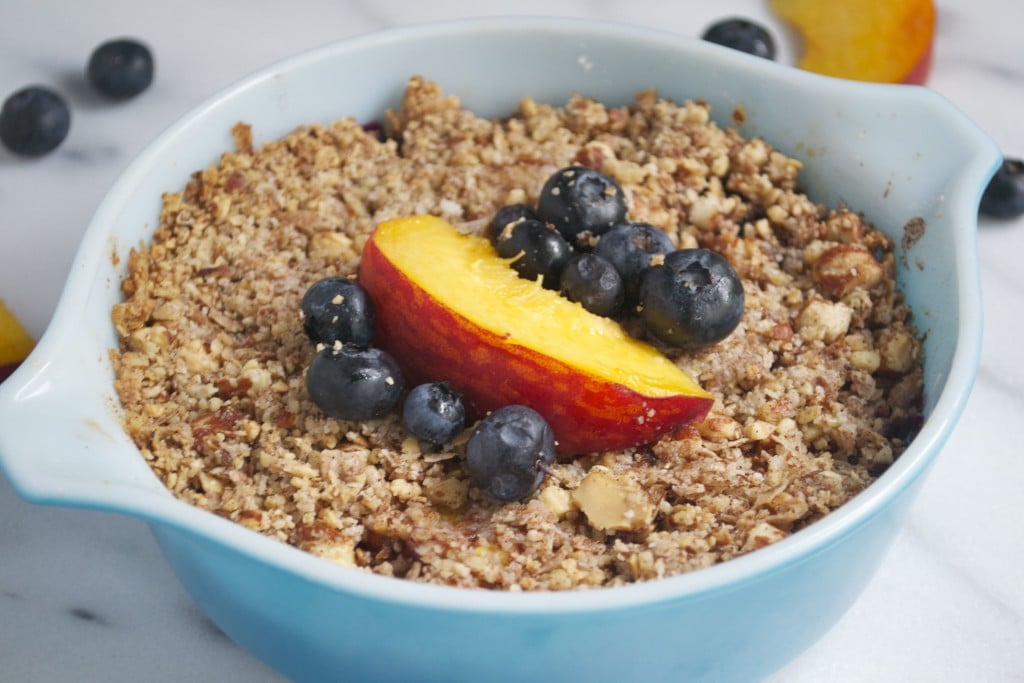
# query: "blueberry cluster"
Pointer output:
{"type": "Point", "coordinates": [35, 120]}
{"type": "Point", "coordinates": [577, 240]}
{"type": "Point", "coordinates": [348, 379]}
{"type": "Point", "coordinates": [508, 453]}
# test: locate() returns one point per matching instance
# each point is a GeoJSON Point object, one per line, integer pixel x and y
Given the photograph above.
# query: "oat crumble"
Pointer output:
{"type": "Point", "coordinates": [816, 392]}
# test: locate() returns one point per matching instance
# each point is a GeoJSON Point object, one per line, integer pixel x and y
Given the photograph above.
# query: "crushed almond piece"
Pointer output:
{"type": "Point", "coordinates": [612, 502]}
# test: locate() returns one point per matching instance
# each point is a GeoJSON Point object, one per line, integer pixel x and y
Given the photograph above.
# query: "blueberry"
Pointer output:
{"type": "Point", "coordinates": [120, 68]}
{"type": "Point", "coordinates": [377, 128]}
{"type": "Point", "coordinates": [34, 121]}
{"type": "Point", "coordinates": [537, 249]}
{"type": "Point", "coordinates": [593, 282]}
{"type": "Point", "coordinates": [693, 299]}
{"type": "Point", "coordinates": [578, 200]}
{"type": "Point", "coordinates": [509, 452]}
{"type": "Point", "coordinates": [434, 413]}
{"type": "Point", "coordinates": [350, 382]}
{"type": "Point", "coordinates": [743, 35]}
{"type": "Point", "coordinates": [511, 213]}
{"type": "Point", "coordinates": [1004, 196]}
{"type": "Point", "coordinates": [338, 309]}
{"type": "Point", "coordinates": [630, 247]}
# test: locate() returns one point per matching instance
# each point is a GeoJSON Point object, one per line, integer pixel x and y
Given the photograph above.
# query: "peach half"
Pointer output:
{"type": "Point", "coordinates": [885, 42]}
{"type": "Point", "coordinates": [15, 342]}
{"type": "Point", "coordinates": [450, 309]}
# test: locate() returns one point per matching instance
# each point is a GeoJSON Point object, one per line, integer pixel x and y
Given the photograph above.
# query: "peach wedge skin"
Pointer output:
{"type": "Point", "coordinates": [433, 342]}
{"type": "Point", "coordinates": [884, 42]}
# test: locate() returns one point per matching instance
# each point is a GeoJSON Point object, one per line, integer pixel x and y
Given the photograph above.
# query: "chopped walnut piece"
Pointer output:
{"type": "Point", "coordinates": [557, 499]}
{"type": "Point", "coordinates": [612, 502]}
{"type": "Point", "coordinates": [846, 267]}
{"type": "Point", "coordinates": [331, 246]}
{"type": "Point", "coordinates": [824, 321]}
{"type": "Point", "coordinates": [761, 535]}
{"type": "Point", "coordinates": [867, 360]}
{"type": "Point", "coordinates": [898, 351]}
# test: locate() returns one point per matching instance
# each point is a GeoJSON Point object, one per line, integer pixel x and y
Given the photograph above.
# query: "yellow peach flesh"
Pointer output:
{"type": "Point", "coordinates": [446, 265]}
{"type": "Point", "coordinates": [15, 342]}
{"type": "Point", "coordinates": [886, 42]}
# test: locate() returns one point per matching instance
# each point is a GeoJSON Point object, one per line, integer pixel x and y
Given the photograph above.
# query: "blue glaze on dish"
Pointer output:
{"type": "Point", "coordinates": [893, 152]}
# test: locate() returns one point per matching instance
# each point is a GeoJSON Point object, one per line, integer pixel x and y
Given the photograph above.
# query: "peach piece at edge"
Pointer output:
{"type": "Point", "coordinates": [448, 308]}
{"type": "Point", "coordinates": [15, 342]}
{"type": "Point", "coordinates": [884, 42]}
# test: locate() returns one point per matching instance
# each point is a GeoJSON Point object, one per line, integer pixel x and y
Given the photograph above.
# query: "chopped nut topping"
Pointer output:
{"type": "Point", "coordinates": [898, 351]}
{"type": "Point", "coordinates": [822, 371]}
{"type": "Point", "coordinates": [846, 267]}
{"type": "Point", "coordinates": [612, 503]}
{"type": "Point", "coordinates": [823, 320]}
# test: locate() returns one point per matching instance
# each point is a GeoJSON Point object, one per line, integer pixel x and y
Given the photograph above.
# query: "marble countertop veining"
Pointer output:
{"type": "Point", "coordinates": [86, 596]}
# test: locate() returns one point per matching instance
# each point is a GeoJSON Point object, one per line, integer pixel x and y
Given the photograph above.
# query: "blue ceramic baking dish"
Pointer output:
{"type": "Point", "coordinates": [893, 152]}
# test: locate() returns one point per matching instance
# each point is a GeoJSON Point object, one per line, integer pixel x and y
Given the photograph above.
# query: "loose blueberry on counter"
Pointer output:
{"type": "Point", "coordinates": [1004, 196]}
{"type": "Point", "coordinates": [34, 121]}
{"type": "Point", "coordinates": [594, 283]}
{"type": "Point", "coordinates": [538, 250]}
{"type": "Point", "coordinates": [434, 413]}
{"type": "Point", "coordinates": [350, 382]}
{"type": "Point", "coordinates": [743, 35]}
{"type": "Point", "coordinates": [693, 299]}
{"type": "Point", "coordinates": [338, 309]}
{"type": "Point", "coordinates": [511, 213]}
{"type": "Point", "coordinates": [629, 247]}
{"type": "Point", "coordinates": [578, 200]}
{"type": "Point", "coordinates": [120, 68]}
{"type": "Point", "coordinates": [509, 452]}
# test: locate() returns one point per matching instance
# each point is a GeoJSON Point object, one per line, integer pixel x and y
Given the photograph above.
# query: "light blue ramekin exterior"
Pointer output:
{"type": "Point", "coordinates": [738, 631]}
{"type": "Point", "coordinates": [893, 152]}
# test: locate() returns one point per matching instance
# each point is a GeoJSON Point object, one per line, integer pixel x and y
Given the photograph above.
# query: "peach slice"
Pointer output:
{"type": "Point", "coordinates": [449, 308]}
{"type": "Point", "coordinates": [15, 342]}
{"type": "Point", "coordinates": [885, 42]}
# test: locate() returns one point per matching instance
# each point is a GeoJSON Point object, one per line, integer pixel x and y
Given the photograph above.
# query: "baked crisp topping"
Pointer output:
{"type": "Point", "coordinates": [816, 392]}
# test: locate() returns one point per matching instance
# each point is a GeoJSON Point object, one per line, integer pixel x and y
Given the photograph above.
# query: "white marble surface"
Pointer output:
{"type": "Point", "coordinates": [86, 596]}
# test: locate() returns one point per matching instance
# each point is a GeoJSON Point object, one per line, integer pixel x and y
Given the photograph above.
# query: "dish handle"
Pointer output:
{"type": "Point", "coordinates": [61, 439]}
